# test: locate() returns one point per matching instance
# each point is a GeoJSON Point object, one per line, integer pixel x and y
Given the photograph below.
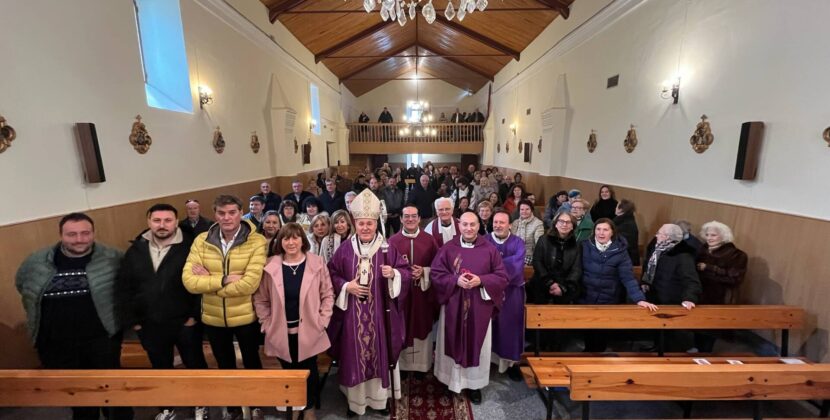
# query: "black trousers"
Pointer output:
{"type": "Point", "coordinates": [705, 341]}
{"type": "Point", "coordinates": [393, 225]}
{"type": "Point", "coordinates": [102, 352]}
{"type": "Point", "coordinates": [313, 383]}
{"type": "Point", "coordinates": [221, 344]}
{"type": "Point", "coordinates": [159, 340]}
{"type": "Point", "coordinates": [596, 341]}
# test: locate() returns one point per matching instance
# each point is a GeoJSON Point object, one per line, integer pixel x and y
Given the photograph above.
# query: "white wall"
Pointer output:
{"type": "Point", "coordinates": [741, 60]}
{"type": "Point", "coordinates": [80, 63]}
{"type": "Point", "coordinates": [442, 97]}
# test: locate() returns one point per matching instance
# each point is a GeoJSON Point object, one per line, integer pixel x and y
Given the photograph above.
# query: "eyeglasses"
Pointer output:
{"type": "Point", "coordinates": [577, 208]}
{"type": "Point", "coordinates": [563, 222]}
{"type": "Point", "coordinates": [409, 216]}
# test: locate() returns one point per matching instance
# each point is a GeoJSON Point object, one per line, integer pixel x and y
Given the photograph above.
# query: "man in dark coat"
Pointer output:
{"type": "Point", "coordinates": [297, 194]}
{"type": "Point", "coordinates": [153, 299]}
{"type": "Point", "coordinates": [194, 223]}
{"type": "Point", "coordinates": [423, 197]}
{"type": "Point", "coordinates": [385, 117]}
{"type": "Point", "coordinates": [331, 199]}
{"type": "Point", "coordinates": [272, 199]}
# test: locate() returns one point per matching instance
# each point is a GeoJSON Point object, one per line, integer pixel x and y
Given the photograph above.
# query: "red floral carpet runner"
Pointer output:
{"type": "Point", "coordinates": [428, 399]}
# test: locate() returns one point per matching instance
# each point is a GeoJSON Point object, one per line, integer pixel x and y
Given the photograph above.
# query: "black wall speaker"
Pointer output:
{"type": "Point", "coordinates": [749, 150]}
{"type": "Point", "coordinates": [90, 153]}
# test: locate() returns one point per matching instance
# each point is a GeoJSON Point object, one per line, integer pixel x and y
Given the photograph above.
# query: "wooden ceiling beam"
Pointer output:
{"type": "Point", "coordinates": [492, 43]}
{"type": "Point", "coordinates": [559, 5]}
{"type": "Point", "coordinates": [394, 54]}
{"type": "Point", "coordinates": [275, 13]}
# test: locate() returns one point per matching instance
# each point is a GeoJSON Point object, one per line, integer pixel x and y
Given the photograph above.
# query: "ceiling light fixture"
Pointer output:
{"type": "Point", "coordinates": [399, 9]}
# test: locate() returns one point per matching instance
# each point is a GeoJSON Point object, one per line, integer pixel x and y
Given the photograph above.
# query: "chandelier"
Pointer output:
{"type": "Point", "coordinates": [418, 116]}
{"type": "Point", "coordinates": [397, 9]}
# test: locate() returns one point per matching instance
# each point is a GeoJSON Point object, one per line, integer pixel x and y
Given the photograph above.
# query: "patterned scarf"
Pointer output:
{"type": "Point", "coordinates": [365, 253]}
{"type": "Point", "coordinates": [659, 249]}
{"type": "Point", "coordinates": [602, 247]}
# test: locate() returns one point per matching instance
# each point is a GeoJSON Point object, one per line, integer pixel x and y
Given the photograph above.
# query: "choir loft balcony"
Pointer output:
{"type": "Point", "coordinates": [397, 138]}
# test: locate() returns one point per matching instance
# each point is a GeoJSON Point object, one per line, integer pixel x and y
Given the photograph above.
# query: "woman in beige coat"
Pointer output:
{"type": "Point", "coordinates": [294, 305]}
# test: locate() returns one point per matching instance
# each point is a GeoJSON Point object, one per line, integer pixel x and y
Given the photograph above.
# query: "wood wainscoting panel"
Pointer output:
{"type": "Point", "coordinates": [787, 257]}
{"type": "Point", "coordinates": [115, 226]}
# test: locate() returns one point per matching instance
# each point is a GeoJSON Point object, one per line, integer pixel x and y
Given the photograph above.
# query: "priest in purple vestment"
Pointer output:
{"type": "Point", "coordinates": [365, 272]}
{"type": "Point", "coordinates": [421, 307]}
{"type": "Point", "coordinates": [509, 324]}
{"type": "Point", "coordinates": [469, 280]}
{"type": "Point", "coordinates": [443, 228]}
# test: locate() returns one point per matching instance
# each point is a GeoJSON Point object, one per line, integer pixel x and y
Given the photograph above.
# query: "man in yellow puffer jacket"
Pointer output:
{"type": "Point", "coordinates": [225, 267]}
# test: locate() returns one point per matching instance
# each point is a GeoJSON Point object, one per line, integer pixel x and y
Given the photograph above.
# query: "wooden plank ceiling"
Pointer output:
{"type": "Point", "coordinates": [365, 52]}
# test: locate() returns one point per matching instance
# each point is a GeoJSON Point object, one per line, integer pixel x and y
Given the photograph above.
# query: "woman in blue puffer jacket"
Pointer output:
{"type": "Point", "coordinates": [606, 272]}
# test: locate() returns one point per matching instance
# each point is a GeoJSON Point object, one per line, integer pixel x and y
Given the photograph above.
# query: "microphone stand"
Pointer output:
{"type": "Point", "coordinates": [387, 311]}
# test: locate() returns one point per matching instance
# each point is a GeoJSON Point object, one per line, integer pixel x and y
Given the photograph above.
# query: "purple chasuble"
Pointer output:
{"type": "Point", "coordinates": [509, 324]}
{"type": "Point", "coordinates": [435, 232]}
{"type": "Point", "coordinates": [358, 334]}
{"type": "Point", "coordinates": [421, 307]}
{"type": "Point", "coordinates": [466, 315]}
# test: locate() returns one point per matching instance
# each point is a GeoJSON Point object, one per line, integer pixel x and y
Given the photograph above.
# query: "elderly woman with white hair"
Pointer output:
{"type": "Point", "coordinates": [670, 277]}
{"type": "Point", "coordinates": [721, 267]}
{"type": "Point", "coordinates": [720, 264]}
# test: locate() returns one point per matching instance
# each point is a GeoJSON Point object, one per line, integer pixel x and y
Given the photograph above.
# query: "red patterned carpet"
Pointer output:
{"type": "Point", "coordinates": [428, 399]}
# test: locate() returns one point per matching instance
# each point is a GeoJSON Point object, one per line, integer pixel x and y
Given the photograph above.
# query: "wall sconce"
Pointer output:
{"type": "Point", "coordinates": [205, 96]}
{"type": "Point", "coordinates": [671, 92]}
{"type": "Point", "coordinates": [312, 125]}
{"type": "Point", "coordinates": [513, 129]}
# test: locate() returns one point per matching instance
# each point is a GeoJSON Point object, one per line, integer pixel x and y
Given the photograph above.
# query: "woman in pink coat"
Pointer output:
{"type": "Point", "coordinates": [294, 305]}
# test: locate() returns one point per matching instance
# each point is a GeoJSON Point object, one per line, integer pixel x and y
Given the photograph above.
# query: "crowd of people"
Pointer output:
{"type": "Point", "coordinates": [384, 275]}
{"type": "Point", "coordinates": [456, 117]}
{"type": "Point", "coordinates": [460, 132]}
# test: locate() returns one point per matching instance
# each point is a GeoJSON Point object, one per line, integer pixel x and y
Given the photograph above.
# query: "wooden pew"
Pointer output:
{"type": "Point", "coordinates": [552, 372]}
{"type": "Point", "coordinates": [149, 387]}
{"type": "Point", "coordinates": [631, 317]}
{"type": "Point", "coordinates": [692, 382]}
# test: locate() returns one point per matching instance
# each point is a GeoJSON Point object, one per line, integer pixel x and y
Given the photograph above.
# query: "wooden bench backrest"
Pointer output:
{"type": "Point", "coordinates": [145, 387]}
{"type": "Point", "coordinates": [699, 382]}
{"type": "Point", "coordinates": [710, 317]}
{"type": "Point", "coordinates": [637, 270]}
{"type": "Point", "coordinates": [553, 371]}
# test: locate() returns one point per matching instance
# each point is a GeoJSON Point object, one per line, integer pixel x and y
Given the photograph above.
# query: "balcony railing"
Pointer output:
{"type": "Point", "coordinates": [417, 133]}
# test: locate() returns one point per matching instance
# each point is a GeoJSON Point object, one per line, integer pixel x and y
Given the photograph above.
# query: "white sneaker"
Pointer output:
{"type": "Point", "coordinates": [200, 413]}
{"type": "Point", "coordinates": [692, 350]}
{"type": "Point", "coordinates": [166, 415]}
